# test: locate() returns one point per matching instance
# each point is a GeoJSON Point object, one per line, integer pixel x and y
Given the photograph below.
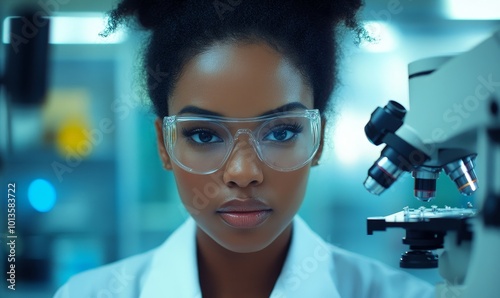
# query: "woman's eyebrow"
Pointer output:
{"type": "Point", "coordinates": [198, 111]}
{"type": "Point", "coordinates": [284, 108]}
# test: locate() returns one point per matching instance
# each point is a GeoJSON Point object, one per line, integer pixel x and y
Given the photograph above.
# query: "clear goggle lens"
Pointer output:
{"type": "Point", "coordinates": [285, 141]}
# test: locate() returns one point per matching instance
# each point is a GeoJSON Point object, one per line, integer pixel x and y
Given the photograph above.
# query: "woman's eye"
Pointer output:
{"type": "Point", "coordinates": [280, 135]}
{"type": "Point", "coordinates": [202, 136]}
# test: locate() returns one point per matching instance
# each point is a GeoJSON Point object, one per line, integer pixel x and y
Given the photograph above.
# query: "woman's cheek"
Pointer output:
{"type": "Point", "coordinates": [197, 192]}
{"type": "Point", "coordinates": [290, 188]}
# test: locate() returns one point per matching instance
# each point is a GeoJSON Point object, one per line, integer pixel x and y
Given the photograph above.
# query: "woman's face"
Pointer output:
{"type": "Point", "coordinates": [240, 81]}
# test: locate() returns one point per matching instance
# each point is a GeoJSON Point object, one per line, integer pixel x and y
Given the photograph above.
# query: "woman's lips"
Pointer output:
{"type": "Point", "coordinates": [244, 213]}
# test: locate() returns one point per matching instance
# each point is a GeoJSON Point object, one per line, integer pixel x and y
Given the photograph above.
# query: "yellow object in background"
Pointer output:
{"type": "Point", "coordinates": [72, 139]}
{"type": "Point", "coordinates": [66, 119]}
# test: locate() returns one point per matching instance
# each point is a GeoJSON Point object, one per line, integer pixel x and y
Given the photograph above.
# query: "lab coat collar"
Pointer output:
{"type": "Point", "coordinates": [306, 272]}
{"type": "Point", "coordinates": [174, 269]}
{"type": "Point", "coordinates": [308, 267]}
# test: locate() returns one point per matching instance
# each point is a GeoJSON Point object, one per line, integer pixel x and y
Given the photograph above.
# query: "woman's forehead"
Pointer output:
{"type": "Point", "coordinates": [239, 80]}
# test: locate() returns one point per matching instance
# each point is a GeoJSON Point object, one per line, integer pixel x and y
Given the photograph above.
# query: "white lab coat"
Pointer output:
{"type": "Point", "coordinates": [313, 268]}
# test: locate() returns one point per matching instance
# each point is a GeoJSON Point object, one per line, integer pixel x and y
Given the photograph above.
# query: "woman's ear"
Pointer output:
{"type": "Point", "coordinates": [165, 158]}
{"type": "Point", "coordinates": [317, 156]}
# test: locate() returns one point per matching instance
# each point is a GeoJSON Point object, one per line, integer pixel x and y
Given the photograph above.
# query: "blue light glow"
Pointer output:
{"type": "Point", "coordinates": [42, 195]}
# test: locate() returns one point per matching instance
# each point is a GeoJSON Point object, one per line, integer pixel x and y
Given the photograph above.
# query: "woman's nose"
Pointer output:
{"type": "Point", "coordinates": [243, 168]}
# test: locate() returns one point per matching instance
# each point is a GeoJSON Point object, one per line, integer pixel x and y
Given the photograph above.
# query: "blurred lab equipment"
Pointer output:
{"type": "Point", "coordinates": [452, 123]}
{"type": "Point", "coordinates": [25, 78]}
{"type": "Point", "coordinates": [24, 81]}
{"type": "Point", "coordinates": [27, 59]}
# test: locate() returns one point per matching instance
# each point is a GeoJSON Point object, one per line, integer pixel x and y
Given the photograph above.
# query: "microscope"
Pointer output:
{"type": "Point", "coordinates": [452, 125]}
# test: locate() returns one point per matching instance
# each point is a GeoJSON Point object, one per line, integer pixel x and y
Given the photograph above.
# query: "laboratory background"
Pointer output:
{"type": "Point", "coordinates": [89, 185]}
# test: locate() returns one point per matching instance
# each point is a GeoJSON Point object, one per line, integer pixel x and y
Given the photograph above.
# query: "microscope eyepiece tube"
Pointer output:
{"type": "Point", "coordinates": [383, 121]}
{"type": "Point", "coordinates": [396, 109]}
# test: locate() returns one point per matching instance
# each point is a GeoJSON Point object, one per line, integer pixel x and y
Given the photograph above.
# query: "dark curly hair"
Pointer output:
{"type": "Point", "coordinates": [303, 31]}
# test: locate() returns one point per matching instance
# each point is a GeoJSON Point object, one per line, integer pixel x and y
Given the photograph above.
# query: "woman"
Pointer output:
{"type": "Point", "coordinates": [241, 107]}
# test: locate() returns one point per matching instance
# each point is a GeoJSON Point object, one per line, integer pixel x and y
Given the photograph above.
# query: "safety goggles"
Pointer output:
{"type": "Point", "coordinates": [202, 144]}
